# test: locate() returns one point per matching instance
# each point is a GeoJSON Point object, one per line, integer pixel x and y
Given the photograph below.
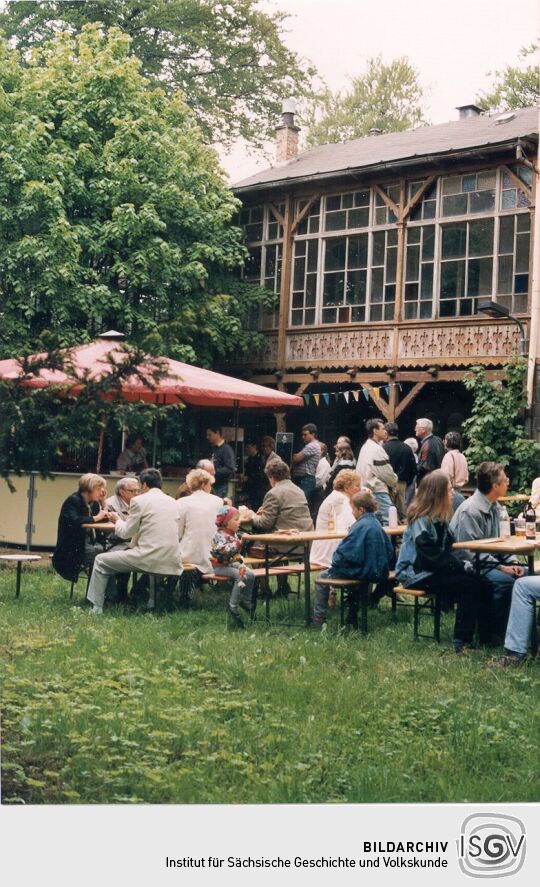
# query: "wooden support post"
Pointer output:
{"type": "Point", "coordinates": [280, 422]}
{"type": "Point", "coordinates": [392, 402]}
{"type": "Point", "coordinates": [285, 289]}
{"type": "Point", "coordinates": [409, 398]}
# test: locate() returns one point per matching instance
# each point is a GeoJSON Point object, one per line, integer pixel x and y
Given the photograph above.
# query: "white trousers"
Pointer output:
{"type": "Point", "coordinates": [105, 566]}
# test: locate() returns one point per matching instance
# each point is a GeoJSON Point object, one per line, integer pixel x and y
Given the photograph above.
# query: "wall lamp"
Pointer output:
{"type": "Point", "coordinates": [494, 309]}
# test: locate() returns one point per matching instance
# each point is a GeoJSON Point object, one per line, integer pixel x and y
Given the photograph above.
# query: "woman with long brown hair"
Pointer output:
{"type": "Point", "coordinates": [426, 560]}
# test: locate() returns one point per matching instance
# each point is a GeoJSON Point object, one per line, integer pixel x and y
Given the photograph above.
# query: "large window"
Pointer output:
{"type": "Point", "coordinates": [467, 237]}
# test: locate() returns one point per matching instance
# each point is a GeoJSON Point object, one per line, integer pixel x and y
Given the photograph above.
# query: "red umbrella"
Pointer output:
{"type": "Point", "coordinates": [182, 383]}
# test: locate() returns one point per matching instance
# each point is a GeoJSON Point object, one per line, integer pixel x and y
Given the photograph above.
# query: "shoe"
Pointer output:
{"type": "Point", "coordinates": [505, 661]}
{"type": "Point", "coordinates": [150, 604]}
{"type": "Point", "coordinates": [236, 618]}
{"type": "Point", "coordinates": [249, 609]}
{"type": "Point", "coordinates": [318, 624]}
{"type": "Point", "coordinates": [97, 611]}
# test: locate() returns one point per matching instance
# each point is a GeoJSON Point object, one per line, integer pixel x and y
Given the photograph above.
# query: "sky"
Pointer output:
{"type": "Point", "coordinates": [454, 45]}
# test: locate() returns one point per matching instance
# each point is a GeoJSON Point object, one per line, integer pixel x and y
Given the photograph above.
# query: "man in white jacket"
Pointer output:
{"type": "Point", "coordinates": [374, 467]}
{"type": "Point", "coordinates": [152, 526]}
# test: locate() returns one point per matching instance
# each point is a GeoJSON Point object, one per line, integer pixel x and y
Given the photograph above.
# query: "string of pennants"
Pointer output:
{"type": "Point", "coordinates": [326, 397]}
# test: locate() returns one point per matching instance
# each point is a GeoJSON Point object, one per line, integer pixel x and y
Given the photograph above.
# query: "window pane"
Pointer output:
{"type": "Point", "coordinates": [452, 185]}
{"type": "Point", "coordinates": [356, 287]}
{"type": "Point", "coordinates": [299, 270]}
{"type": "Point", "coordinates": [333, 288]}
{"type": "Point", "coordinates": [361, 198]}
{"type": "Point", "coordinates": [346, 201]}
{"type": "Point", "coordinates": [520, 303]}
{"type": "Point", "coordinates": [481, 237]}
{"type": "Point", "coordinates": [377, 285]}
{"type": "Point", "coordinates": [313, 251]}
{"type": "Point", "coordinates": [411, 291]}
{"type": "Point", "coordinates": [298, 300]}
{"type": "Point", "coordinates": [389, 311]}
{"type": "Point", "coordinates": [523, 221]}
{"type": "Point", "coordinates": [454, 240]}
{"type": "Point", "coordinates": [448, 308]}
{"type": "Point", "coordinates": [428, 245]}
{"type": "Point", "coordinates": [254, 232]}
{"type": "Point", "coordinates": [313, 225]}
{"type": "Point", "coordinates": [413, 235]}
{"type": "Point", "coordinates": [310, 316]}
{"type": "Point", "coordinates": [329, 315]}
{"type": "Point", "coordinates": [413, 263]}
{"type": "Point", "coordinates": [509, 199]}
{"type": "Point", "coordinates": [334, 257]}
{"type": "Point", "coordinates": [375, 312]}
{"type": "Point", "coordinates": [358, 250]}
{"type": "Point", "coordinates": [481, 201]}
{"type": "Point", "coordinates": [487, 179]}
{"type": "Point", "coordinates": [379, 240]}
{"type": "Point", "coordinates": [469, 183]}
{"type": "Point", "coordinates": [297, 318]}
{"type": "Point", "coordinates": [521, 283]}
{"type": "Point", "coordinates": [333, 202]}
{"type": "Point", "coordinates": [410, 310]}
{"type": "Point", "coordinates": [452, 280]}
{"type": "Point", "coordinates": [506, 234]}
{"type": "Point", "coordinates": [391, 265]}
{"type": "Point", "coordinates": [504, 283]}
{"type": "Point", "coordinates": [430, 209]}
{"type": "Point", "coordinates": [522, 254]}
{"type": "Point", "coordinates": [455, 206]}
{"type": "Point", "coordinates": [253, 264]}
{"type": "Point", "coordinates": [480, 278]}
{"type": "Point", "coordinates": [426, 290]}
{"type": "Point", "coordinates": [426, 309]}
{"type": "Point", "coordinates": [358, 315]}
{"type": "Point", "coordinates": [336, 221]}
{"type": "Point", "coordinates": [358, 218]}
{"type": "Point", "coordinates": [311, 290]}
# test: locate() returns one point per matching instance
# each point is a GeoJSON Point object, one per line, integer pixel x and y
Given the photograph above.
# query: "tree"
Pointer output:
{"type": "Point", "coordinates": [113, 214]}
{"type": "Point", "coordinates": [386, 97]}
{"type": "Point", "coordinates": [494, 431]}
{"type": "Point", "coordinates": [516, 86]}
{"type": "Point", "coordinates": [227, 58]}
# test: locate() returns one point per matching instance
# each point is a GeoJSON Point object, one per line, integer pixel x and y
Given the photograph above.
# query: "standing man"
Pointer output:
{"type": "Point", "coordinates": [478, 518]}
{"type": "Point", "coordinates": [404, 464]}
{"type": "Point", "coordinates": [374, 468]}
{"type": "Point", "coordinates": [223, 459]}
{"type": "Point", "coordinates": [152, 526]}
{"type": "Point", "coordinates": [306, 461]}
{"type": "Point", "coordinates": [431, 448]}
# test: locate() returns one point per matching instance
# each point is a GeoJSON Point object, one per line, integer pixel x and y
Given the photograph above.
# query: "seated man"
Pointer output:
{"type": "Point", "coordinates": [125, 490]}
{"type": "Point", "coordinates": [525, 592]}
{"type": "Point", "coordinates": [478, 518]}
{"type": "Point", "coordinates": [75, 546]}
{"type": "Point", "coordinates": [284, 508]}
{"type": "Point", "coordinates": [152, 526]}
{"type": "Point", "coordinates": [366, 554]}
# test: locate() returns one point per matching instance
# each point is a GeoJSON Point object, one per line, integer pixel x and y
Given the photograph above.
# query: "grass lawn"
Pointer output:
{"type": "Point", "coordinates": [175, 708]}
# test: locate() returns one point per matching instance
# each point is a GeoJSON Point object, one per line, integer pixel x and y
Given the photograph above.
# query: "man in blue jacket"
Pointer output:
{"type": "Point", "coordinates": [366, 554]}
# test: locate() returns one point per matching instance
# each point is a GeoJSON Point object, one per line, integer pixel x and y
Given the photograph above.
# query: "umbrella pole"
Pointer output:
{"type": "Point", "coordinates": [154, 445]}
{"type": "Point", "coordinates": [236, 423]}
{"type": "Point", "coordinates": [100, 448]}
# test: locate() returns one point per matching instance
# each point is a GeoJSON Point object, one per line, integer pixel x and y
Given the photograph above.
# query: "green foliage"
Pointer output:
{"type": "Point", "coordinates": [228, 59]}
{"type": "Point", "coordinates": [516, 86]}
{"type": "Point", "coordinates": [386, 97]}
{"type": "Point", "coordinates": [113, 214]}
{"type": "Point", "coordinates": [494, 431]}
{"type": "Point", "coordinates": [174, 708]}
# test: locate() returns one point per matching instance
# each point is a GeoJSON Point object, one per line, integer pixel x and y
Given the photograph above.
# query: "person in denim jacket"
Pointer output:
{"type": "Point", "coordinates": [426, 560]}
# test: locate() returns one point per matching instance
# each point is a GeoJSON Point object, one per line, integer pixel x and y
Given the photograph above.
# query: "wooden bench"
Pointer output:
{"type": "Point", "coordinates": [422, 600]}
{"type": "Point", "coordinates": [346, 588]}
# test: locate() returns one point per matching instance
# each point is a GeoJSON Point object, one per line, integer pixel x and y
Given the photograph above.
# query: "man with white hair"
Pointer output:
{"type": "Point", "coordinates": [124, 492]}
{"type": "Point", "coordinates": [207, 465]}
{"type": "Point", "coordinates": [431, 448]}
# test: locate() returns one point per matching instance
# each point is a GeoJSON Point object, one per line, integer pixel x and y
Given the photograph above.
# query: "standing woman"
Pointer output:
{"type": "Point", "coordinates": [454, 462]}
{"type": "Point", "coordinates": [426, 560]}
{"type": "Point", "coordinates": [344, 459]}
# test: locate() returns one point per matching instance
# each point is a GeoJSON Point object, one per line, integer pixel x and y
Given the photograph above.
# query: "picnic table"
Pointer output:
{"type": "Point", "coordinates": [294, 541]}
{"type": "Point", "coordinates": [498, 545]}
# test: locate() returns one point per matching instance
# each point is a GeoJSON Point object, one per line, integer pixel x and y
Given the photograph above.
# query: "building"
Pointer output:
{"type": "Point", "coordinates": [380, 250]}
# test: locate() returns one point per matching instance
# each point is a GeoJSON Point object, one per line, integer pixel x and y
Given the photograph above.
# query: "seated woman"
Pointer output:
{"type": "Point", "coordinates": [75, 546]}
{"type": "Point", "coordinates": [197, 520]}
{"type": "Point", "coordinates": [366, 554]}
{"type": "Point", "coordinates": [426, 560]}
{"type": "Point", "coordinates": [133, 457]}
{"type": "Point", "coordinates": [346, 484]}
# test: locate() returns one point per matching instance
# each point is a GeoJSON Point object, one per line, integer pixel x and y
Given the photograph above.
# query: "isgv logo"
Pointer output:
{"type": "Point", "coordinates": [491, 845]}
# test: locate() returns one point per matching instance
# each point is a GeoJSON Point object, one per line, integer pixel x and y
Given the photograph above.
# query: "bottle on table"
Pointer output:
{"type": "Point", "coordinates": [392, 516]}
{"type": "Point", "coordinates": [332, 520]}
{"type": "Point", "coordinates": [530, 522]}
{"type": "Point", "coordinates": [520, 525]}
{"type": "Point", "coordinates": [504, 523]}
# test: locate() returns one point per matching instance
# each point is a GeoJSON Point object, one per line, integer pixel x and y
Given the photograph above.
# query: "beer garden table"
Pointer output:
{"type": "Point", "coordinates": [295, 540]}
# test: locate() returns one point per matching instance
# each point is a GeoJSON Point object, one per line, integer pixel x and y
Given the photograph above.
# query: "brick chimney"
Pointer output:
{"type": "Point", "coordinates": [468, 111]}
{"type": "Point", "coordinates": [287, 133]}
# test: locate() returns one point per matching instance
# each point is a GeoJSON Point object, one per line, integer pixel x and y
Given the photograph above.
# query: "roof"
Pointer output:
{"type": "Point", "coordinates": [393, 147]}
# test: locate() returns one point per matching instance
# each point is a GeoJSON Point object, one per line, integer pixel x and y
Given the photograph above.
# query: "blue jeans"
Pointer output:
{"type": "Point", "coordinates": [306, 482]}
{"type": "Point", "coordinates": [239, 594]}
{"type": "Point", "coordinates": [385, 502]}
{"type": "Point", "coordinates": [526, 591]}
{"type": "Point", "coordinates": [500, 585]}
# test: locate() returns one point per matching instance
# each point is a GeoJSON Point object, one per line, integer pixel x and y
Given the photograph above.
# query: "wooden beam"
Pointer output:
{"type": "Point", "coordinates": [285, 288]}
{"type": "Point", "coordinates": [277, 215]}
{"type": "Point", "coordinates": [392, 401]}
{"type": "Point", "coordinates": [381, 404]}
{"type": "Point", "coordinates": [417, 197]}
{"type": "Point", "coordinates": [517, 182]}
{"type": "Point", "coordinates": [303, 212]}
{"type": "Point", "coordinates": [377, 377]}
{"type": "Point", "coordinates": [388, 200]}
{"type": "Point", "coordinates": [409, 398]}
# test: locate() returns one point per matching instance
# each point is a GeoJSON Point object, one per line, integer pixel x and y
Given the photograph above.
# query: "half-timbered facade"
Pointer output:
{"type": "Point", "coordinates": [380, 249]}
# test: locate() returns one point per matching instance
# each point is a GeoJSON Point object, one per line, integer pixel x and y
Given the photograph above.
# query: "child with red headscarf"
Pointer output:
{"type": "Point", "coordinates": [225, 551]}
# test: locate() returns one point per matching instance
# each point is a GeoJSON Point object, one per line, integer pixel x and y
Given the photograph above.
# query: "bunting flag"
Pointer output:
{"type": "Point", "coordinates": [346, 395]}
{"type": "Point", "coordinates": [365, 392]}
{"type": "Point", "coordinates": [356, 395]}
{"type": "Point", "coordinates": [316, 398]}
{"type": "Point", "coordinates": [306, 399]}
{"type": "Point", "coordinates": [387, 389]}
{"type": "Point", "coordinates": [376, 392]}
{"type": "Point", "coordinates": [326, 398]}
